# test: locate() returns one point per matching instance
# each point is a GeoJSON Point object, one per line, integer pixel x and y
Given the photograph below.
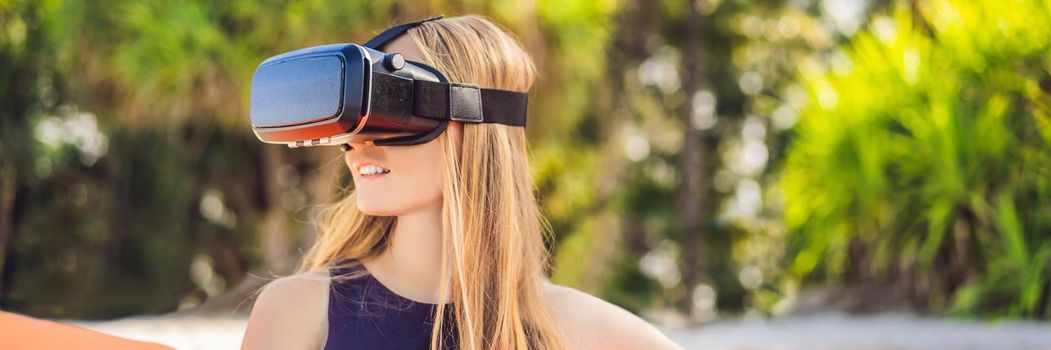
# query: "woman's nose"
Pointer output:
{"type": "Point", "coordinates": [355, 144]}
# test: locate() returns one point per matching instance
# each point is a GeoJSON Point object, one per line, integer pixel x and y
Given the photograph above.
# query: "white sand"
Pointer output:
{"type": "Point", "coordinates": [832, 331]}
{"type": "Point", "coordinates": [811, 332]}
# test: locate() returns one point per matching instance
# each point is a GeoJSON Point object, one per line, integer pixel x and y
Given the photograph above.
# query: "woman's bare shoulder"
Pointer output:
{"type": "Point", "coordinates": [290, 312]}
{"type": "Point", "coordinates": [592, 323]}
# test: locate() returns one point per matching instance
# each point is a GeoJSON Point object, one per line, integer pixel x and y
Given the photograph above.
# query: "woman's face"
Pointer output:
{"type": "Point", "coordinates": [414, 180]}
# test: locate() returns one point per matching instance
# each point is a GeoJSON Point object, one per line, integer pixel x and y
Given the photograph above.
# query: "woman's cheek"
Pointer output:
{"type": "Point", "coordinates": [405, 190]}
{"type": "Point", "coordinates": [426, 186]}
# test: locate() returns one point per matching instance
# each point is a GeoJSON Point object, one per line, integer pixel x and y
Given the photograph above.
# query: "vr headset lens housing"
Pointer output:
{"type": "Point", "coordinates": [335, 94]}
{"type": "Point", "coordinates": [298, 91]}
{"type": "Point", "coordinates": [322, 95]}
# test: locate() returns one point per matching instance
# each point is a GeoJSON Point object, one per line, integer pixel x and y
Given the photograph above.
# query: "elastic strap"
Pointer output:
{"type": "Point", "coordinates": [377, 42]}
{"type": "Point", "coordinates": [447, 101]}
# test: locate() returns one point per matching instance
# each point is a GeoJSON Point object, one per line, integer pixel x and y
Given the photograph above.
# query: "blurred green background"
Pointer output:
{"type": "Point", "coordinates": [693, 157]}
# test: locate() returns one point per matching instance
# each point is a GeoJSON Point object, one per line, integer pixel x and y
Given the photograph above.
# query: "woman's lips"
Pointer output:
{"type": "Point", "coordinates": [357, 166]}
{"type": "Point", "coordinates": [371, 177]}
{"type": "Point", "coordinates": [369, 172]}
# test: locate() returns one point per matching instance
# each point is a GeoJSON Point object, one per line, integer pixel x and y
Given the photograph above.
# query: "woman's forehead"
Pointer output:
{"type": "Point", "coordinates": [406, 47]}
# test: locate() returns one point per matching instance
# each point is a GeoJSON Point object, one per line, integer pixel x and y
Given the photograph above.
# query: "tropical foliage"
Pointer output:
{"type": "Point", "coordinates": [926, 160]}
{"type": "Point", "coordinates": [831, 143]}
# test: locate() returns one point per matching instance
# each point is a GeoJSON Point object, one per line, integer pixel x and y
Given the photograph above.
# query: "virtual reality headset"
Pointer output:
{"type": "Point", "coordinates": [341, 93]}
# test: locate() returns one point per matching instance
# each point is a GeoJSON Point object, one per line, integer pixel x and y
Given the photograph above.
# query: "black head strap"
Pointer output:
{"type": "Point", "coordinates": [377, 42]}
{"type": "Point", "coordinates": [438, 100]}
{"type": "Point", "coordinates": [447, 101]}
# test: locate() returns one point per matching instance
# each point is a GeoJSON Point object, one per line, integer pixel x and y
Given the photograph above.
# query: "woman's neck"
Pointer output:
{"type": "Point", "coordinates": [412, 266]}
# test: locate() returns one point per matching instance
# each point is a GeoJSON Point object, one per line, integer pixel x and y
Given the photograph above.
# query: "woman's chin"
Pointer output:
{"type": "Point", "coordinates": [372, 208]}
{"type": "Point", "coordinates": [386, 206]}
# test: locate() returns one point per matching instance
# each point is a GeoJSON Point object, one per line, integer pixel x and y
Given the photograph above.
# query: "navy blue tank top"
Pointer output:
{"type": "Point", "coordinates": [364, 314]}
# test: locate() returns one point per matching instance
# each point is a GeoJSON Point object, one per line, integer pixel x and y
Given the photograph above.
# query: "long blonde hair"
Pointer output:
{"type": "Point", "coordinates": [494, 255]}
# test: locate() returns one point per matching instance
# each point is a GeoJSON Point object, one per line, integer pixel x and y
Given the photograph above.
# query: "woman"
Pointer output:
{"type": "Point", "coordinates": [441, 245]}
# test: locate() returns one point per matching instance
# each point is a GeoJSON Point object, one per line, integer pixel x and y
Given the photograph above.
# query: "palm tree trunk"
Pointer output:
{"type": "Point", "coordinates": [693, 156]}
{"type": "Point", "coordinates": [8, 185]}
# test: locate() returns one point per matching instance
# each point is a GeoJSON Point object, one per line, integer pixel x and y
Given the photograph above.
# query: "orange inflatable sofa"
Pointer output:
{"type": "Point", "coordinates": [18, 332]}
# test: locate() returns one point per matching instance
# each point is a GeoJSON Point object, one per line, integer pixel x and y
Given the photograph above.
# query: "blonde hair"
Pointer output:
{"type": "Point", "coordinates": [494, 254]}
